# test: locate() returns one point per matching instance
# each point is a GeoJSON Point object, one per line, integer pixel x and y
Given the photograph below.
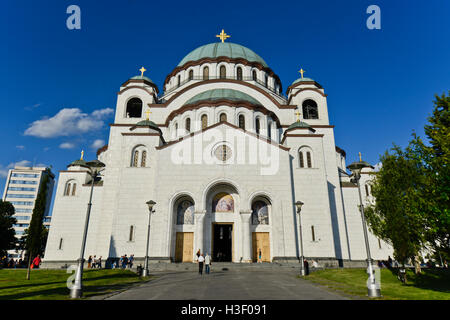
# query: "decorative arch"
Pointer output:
{"type": "Point", "coordinates": [134, 108]}
{"type": "Point", "coordinates": [305, 157]}
{"type": "Point", "coordinates": [184, 209]}
{"type": "Point", "coordinates": [221, 184]}
{"type": "Point", "coordinates": [139, 156]}
{"type": "Point", "coordinates": [310, 109]}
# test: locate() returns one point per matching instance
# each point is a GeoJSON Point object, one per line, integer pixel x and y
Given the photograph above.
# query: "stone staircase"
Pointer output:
{"type": "Point", "coordinates": [221, 266]}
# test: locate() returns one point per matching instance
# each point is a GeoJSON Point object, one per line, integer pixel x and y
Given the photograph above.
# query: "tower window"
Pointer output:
{"type": "Point", "coordinates": [60, 244]}
{"type": "Point", "coordinates": [242, 121]}
{"type": "Point", "coordinates": [191, 74]}
{"type": "Point", "coordinates": [205, 73]}
{"type": "Point", "coordinates": [204, 121]}
{"type": "Point", "coordinates": [269, 131]}
{"type": "Point", "coordinates": [135, 158]}
{"type": "Point", "coordinates": [266, 80]}
{"type": "Point", "coordinates": [223, 72]}
{"type": "Point", "coordinates": [178, 81]}
{"type": "Point", "coordinates": [313, 234]}
{"type": "Point", "coordinates": [310, 110]}
{"type": "Point", "coordinates": [300, 156]}
{"type": "Point", "coordinates": [144, 158]}
{"type": "Point", "coordinates": [74, 187]}
{"type": "Point", "coordinates": [134, 108]}
{"type": "Point", "coordinates": [188, 124]}
{"type": "Point", "coordinates": [257, 127]}
{"type": "Point", "coordinates": [254, 77]}
{"type": "Point", "coordinates": [308, 159]}
{"type": "Point", "coordinates": [239, 73]}
{"type": "Point", "coordinates": [131, 235]}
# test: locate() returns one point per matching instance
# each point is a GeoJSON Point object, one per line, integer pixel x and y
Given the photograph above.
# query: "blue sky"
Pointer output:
{"type": "Point", "coordinates": [380, 83]}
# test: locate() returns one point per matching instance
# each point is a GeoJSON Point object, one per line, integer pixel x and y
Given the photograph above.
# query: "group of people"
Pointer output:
{"type": "Point", "coordinates": [19, 263]}
{"type": "Point", "coordinates": [94, 263]}
{"type": "Point", "coordinates": [124, 262]}
{"type": "Point", "coordinates": [203, 259]}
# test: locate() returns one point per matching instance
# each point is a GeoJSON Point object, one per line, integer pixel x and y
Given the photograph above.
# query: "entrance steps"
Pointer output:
{"type": "Point", "coordinates": [223, 266]}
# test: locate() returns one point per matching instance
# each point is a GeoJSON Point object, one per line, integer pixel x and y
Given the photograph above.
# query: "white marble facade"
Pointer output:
{"type": "Point", "coordinates": [246, 157]}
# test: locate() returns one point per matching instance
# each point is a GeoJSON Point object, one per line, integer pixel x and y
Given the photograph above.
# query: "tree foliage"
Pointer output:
{"type": "Point", "coordinates": [7, 233]}
{"type": "Point", "coordinates": [412, 190]}
{"type": "Point", "coordinates": [36, 236]}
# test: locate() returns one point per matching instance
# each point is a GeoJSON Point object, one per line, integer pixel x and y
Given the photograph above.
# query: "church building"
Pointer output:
{"type": "Point", "coordinates": [225, 154]}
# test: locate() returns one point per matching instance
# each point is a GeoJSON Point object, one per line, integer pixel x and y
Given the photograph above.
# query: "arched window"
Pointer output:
{"type": "Point", "coordinates": [305, 157]}
{"type": "Point", "coordinates": [223, 117]}
{"type": "Point", "coordinates": [188, 124]}
{"type": "Point", "coordinates": [70, 188]}
{"type": "Point", "coordinates": [204, 121]}
{"type": "Point", "coordinates": [257, 126]}
{"type": "Point", "coordinates": [260, 212]}
{"type": "Point", "coordinates": [223, 72]}
{"type": "Point", "coordinates": [254, 77]}
{"type": "Point", "coordinates": [269, 131]}
{"type": "Point", "coordinates": [242, 121]}
{"type": "Point", "coordinates": [310, 110]}
{"type": "Point", "coordinates": [135, 158]}
{"type": "Point", "coordinates": [191, 74]}
{"type": "Point", "coordinates": [185, 212]}
{"type": "Point", "coordinates": [308, 159]}
{"type": "Point", "coordinates": [143, 158]}
{"type": "Point", "coordinates": [134, 108]}
{"type": "Point", "coordinates": [266, 81]}
{"type": "Point", "coordinates": [67, 190]}
{"type": "Point", "coordinates": [74, 188]}
{"type": "Point", "coordinates": [239, 73]}
{"type": "Point", "coordinates": [178, 81]}
{"type": "Point", "coordinates": [205, 73]}
{"type": "Point", "coordinates": [301, 161]}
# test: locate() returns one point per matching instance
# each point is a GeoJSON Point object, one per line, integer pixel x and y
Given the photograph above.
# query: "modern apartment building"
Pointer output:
{"type": "Point", "coordinates": [21, 189]}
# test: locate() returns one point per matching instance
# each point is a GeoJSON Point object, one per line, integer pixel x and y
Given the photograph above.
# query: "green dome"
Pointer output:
{"type": "Point", "coordinates": [225, 49]}
{"type": "Point", "coordinates": [301, 80]}
{"type": "Point", "coordinates": [147, 123]}
{"type": "Point", "coordinates": [299, 124]}
{"type": "Point", "coordinates": [141, 78]}
{"type": "Point", "coordinates": [79, 162]}
{"type": "Point", "coordinates": [218, 94]}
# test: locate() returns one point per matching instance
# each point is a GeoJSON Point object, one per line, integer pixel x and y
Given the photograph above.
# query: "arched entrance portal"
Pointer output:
{"type": "Point", "coordinates": [222, 203]}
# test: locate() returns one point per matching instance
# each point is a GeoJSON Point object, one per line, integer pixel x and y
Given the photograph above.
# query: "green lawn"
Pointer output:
{"type": "Point", "coordinates": [51, 284]}
{"type": "Point", "coordinates": [433, 284]}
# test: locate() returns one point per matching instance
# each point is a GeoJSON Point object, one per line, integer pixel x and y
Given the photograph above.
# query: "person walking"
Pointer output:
{"type": "Point", "coordinates": [207, 263]}
{"type": "Point", "coordinates": [37, 262]}
{"type": "Point", "coordinates": [130, 261]}
{"type": "Point", "coordinates": [201, 259]}
{"type": "Point", "coordinates": [124, 261]}
{"type": "Point", "coordinates": [89, 262]}
{"type": "Point", "coordinates": [99, 265]}
{"type": "Point", "coordinates": [94, 262]}
{"type": "Point", "coordinates": [198, 254]}
{"type": "Point", "coordinates": [260, 256]}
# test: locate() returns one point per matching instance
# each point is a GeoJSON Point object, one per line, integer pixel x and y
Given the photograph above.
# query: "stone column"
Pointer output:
{"type": "Point", "coordinates": [198, 236]}
{"type": "Point", "coordinates": [246, 236]}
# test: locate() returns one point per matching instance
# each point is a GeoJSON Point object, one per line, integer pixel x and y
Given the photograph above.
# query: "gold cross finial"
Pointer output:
{"type": "Point", "coordinates": [360, 159]}
{"type": "Point", "coordinates": [148, 113]}
{"type": "Point", "coordinates": [82, 153]}
{"type": "Point", "coordinates": [302, 72]}
{"type": "Point", "coordinates": [223, 36]}
{"type": "Point", "coordinates": [142, 70]}
{"type": "Point", "coordinates": [298, 116]}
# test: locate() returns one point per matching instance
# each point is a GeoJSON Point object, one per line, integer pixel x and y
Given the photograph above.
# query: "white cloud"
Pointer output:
{"type": "Point", "coordinates": [20, 147]}
{"type": "Point", "coordinates": [4, 170]}
{"type": "Point", "coordinates": [98, 144]}
{"type": "Point", "coordinates": [34, 106]}
{"type": "Point", "coordinates": [68, 121]}
{"type": "Point", "coordinates": [67, 145]}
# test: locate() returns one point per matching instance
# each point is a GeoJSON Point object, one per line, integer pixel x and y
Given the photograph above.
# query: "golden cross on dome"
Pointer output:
{"type": "Point", "coordinates": [298, 116]}
{"type": "Point", "coordinates": [82, 153]}
{"type": "Point", "coordinates": [148, 113]}
{"type": "Point", "coordinates": [360, 159]}
{"type": "Point", "coordinates": [142, 70]}
{"type": "Point", "coordinates": [223, 36]}
{"type": "Point", "coordinates": [302, 72]}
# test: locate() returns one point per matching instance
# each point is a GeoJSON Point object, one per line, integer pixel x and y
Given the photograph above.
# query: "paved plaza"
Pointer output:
{"type": "Point", "coordinates": [227, 285]}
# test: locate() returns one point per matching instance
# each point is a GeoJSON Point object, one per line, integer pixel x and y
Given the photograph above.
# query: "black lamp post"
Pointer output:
{"type": "Point", "coordinates": [150, 205]}
{"type": "Point", "coordinates": [95, 167]}
{"type": "Point", "coordinates": [373, 288]}
{"type": "Point", "coordinates": [299, 205]}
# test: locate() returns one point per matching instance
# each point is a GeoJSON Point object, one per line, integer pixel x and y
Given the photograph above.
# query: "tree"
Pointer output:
{"type": "Point", "coordinates": [396, 216]}
{"type": "Point", "coordinates": [7, 232]}
{"type": "Point", "coordinates": [412, 191]}
{"type": "Point", "coordinates": [35, 235]}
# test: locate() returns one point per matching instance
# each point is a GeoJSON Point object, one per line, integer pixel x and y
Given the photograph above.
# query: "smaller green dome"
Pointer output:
{"type": "Point", "coordinates": [141, 78]}
{"type": "Point", "coordinates": [299, 124]}
{"type": "Point", "coordinates": [79, 162]}
{"type": "Point", "coordinates": [148, 123]}
{"type": "Point", "coordinates": [302, 80]}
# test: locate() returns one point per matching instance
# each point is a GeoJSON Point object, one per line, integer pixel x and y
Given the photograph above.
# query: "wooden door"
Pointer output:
{"type": "Point", "coordinates": [184, 247]}
{"type": "Point", "coordinates": [261, 240]}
